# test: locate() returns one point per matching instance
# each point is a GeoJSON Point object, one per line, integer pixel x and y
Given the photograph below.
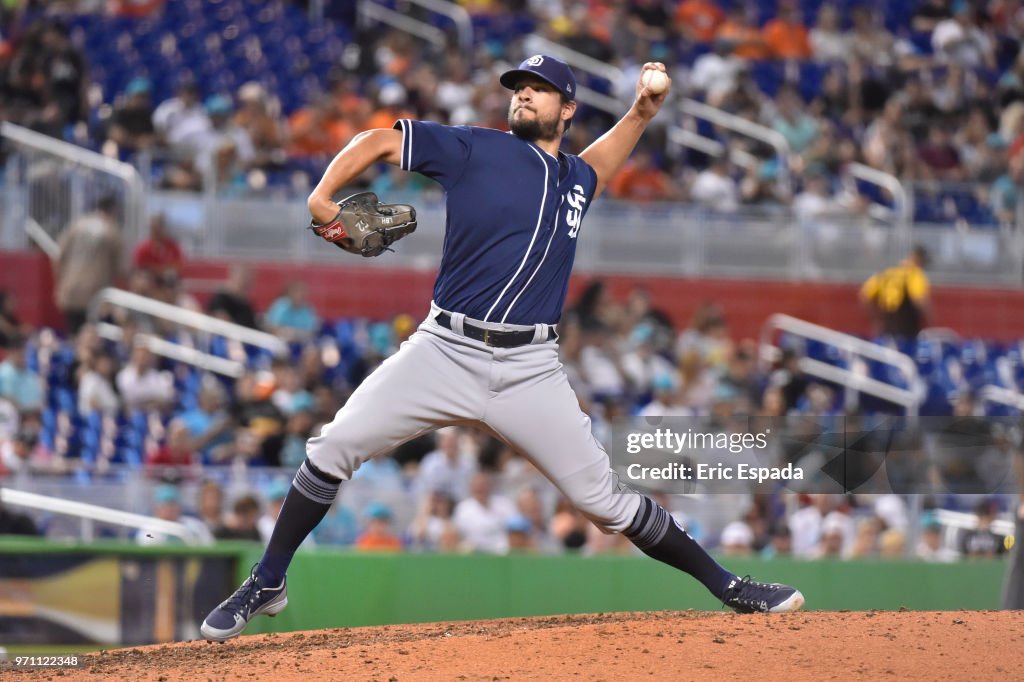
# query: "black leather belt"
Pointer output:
{"type": "Point", "coordinates": [491, 337]}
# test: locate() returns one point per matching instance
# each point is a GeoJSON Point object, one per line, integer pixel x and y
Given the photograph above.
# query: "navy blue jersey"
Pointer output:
{"type": "Point", "coordinates": [514, 213]}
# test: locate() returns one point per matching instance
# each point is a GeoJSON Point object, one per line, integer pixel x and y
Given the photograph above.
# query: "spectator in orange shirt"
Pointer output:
{"type": "Point", "coordinates": [785, 35]}
{"type": "Point", "coordinates": [352, 106]}
{"type": "Point", "coordinates": [699, 19]}
{"type": "Point", "coordinates": [641, 180]}
{"type": "Point", "coordinates": [378, 535]}
{"type": "Point", "coordinates": [740, 32]}
{"type": "Point", "coordinates": [392, 107]}
{"type": "Point", "coordinates": [318, 129]}
{"type": "Point", "coordinates": [160, 253]}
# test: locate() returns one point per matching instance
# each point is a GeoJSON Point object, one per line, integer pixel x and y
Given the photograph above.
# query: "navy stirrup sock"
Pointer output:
{"type": "Point", "coordinates": [658, 536]}
{"type": "Point", "coordinates": [309, 498]}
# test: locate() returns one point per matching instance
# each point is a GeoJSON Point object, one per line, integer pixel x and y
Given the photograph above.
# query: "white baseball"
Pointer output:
{"type": "Point", "coordinates": [655, 81]}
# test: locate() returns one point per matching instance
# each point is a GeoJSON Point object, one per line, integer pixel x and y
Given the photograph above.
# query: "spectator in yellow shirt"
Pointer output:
{"type": "Point", "coordinates": [898, 297]}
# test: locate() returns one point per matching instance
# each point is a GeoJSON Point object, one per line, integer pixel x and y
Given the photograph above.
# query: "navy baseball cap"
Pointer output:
{"type": "Point", "coordinates": [548, 68]}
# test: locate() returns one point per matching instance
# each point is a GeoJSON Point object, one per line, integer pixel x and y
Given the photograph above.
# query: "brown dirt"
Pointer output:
{"type": "Point", "coordinates": [962, 645]}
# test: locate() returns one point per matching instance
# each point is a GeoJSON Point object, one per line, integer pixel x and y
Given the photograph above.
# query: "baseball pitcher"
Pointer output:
{"type": "Point", "coordinates": [487, 354]}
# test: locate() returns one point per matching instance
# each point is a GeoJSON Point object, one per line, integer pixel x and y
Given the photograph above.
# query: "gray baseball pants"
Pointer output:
{"type": "Point", "coordinates": [440, 377]}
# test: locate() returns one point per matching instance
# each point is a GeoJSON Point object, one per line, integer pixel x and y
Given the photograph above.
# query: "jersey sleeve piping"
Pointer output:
{"type": "Point", "coordinates": [406, 159]}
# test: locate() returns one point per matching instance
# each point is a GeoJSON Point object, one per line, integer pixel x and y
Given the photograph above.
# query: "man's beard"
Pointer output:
{"type": "Point", "coordinates": [533, 129]}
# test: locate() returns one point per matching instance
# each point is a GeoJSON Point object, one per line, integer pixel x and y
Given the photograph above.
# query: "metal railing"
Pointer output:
{"type": "Point", "coordinates": [59, 181]}
{"type": "Point", "coordinates": [598, 100]}
{"type": "Point", "coordinates": [688, 138]}
{"type": "Point", "coordinates": [41, 238]}
{"type": "Point", "coordinates": [421, 29]}
{"type": "Point", "coordinates": [458, 14]}
{"type": "Point", "coordinates": [671, 238]}
{"type": "Point", "coordinates": [371, 11]}
{"type": "Point", "coordinates": [738, 124]}
{"type": "Point", "coordinates": [710, 146]}
{"type": "Point", "coordinates": [957, 521]}
{"type": "Point", "coordinates": [1004, 396]}
{"type": "Point", "coordinates": [176, 351]}
{"type": "Point", "coordinates": [853, 382]}
{"type": "Point", "coordinates": [904, 210]}
{"type": "Point", "coordinates": [187, 318]}
{"type": "Point", "coordinates": [90, 513]}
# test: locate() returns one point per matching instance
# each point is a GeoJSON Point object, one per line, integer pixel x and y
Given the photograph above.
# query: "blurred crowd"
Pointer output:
{"type": "Point", "coordinates": [218, 453]}
{"type": "Point", "coordinates": [941, 99]}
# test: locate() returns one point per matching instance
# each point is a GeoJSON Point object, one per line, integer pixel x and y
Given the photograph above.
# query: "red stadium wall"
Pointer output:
{"type": "Point", "coordinates": [338, 291]}
{"type": "Point", "coordinates": [28, 276]}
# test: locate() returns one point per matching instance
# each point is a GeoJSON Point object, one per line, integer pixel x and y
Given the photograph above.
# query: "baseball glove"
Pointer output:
{"type": "Point", "coordinates": [365, 226]}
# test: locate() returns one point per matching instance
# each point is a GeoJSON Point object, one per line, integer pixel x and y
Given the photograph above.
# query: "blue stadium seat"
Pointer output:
{"type": "Point", "coordinates": [768, 76]}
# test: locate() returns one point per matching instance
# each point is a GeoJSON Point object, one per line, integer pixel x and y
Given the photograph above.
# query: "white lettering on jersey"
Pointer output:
{"type": "Point", "coordinates": [574, 214]}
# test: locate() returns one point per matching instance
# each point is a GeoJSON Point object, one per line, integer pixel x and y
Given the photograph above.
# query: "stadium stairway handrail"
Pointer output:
{"type": "Point", "coordinates": [1004, 396]}
{"type": "Point", "coordinates": [740, 125]}
{"type": "Point", "coordinates": [189, 318]}
{"type": "Point", "coordinates": [736, 123]}
{"type": "Point", "coordinates": [375, 12]}
{"type": "Point", "coordinates": [901, 198]}
{"type": "Point", "coordinates": [459, 16]}
{"type": "Point", "coordinates": [135, 192]}
{"type": "Point", "coordinates": [38, 234]}
{"type": "Point", "coordinates": [902, 201]}
{"type": "Point", "coordinates": [676, 134]}
{"type": "Point", "coordinates": [177, 351]}
{"type": "Point", "coordinates": [954, 521]}
{"type": "Point", "coordinates": [909, 398]}
{"type": "Point", "coordinates": [90, 159]}
{"type": "Point", "coordinates": [968, 521]}
{"type": "Point", "coordinates": [605, 103]}
{"type": "Point", "coordinates": [92, 512]}
{"type": "Point", "coordinates": [688, 138]}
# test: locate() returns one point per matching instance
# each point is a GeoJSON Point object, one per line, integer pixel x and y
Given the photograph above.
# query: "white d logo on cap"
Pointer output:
{"type": "Point", "coordinates": [535, 60]}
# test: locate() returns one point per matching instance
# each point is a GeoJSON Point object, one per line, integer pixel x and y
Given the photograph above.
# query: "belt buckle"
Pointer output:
{"type": "Point", "coordinates": [487, 337]}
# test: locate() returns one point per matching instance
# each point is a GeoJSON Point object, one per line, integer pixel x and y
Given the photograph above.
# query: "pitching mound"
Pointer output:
{"type": "Point", "coordinates": [620, 646]}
